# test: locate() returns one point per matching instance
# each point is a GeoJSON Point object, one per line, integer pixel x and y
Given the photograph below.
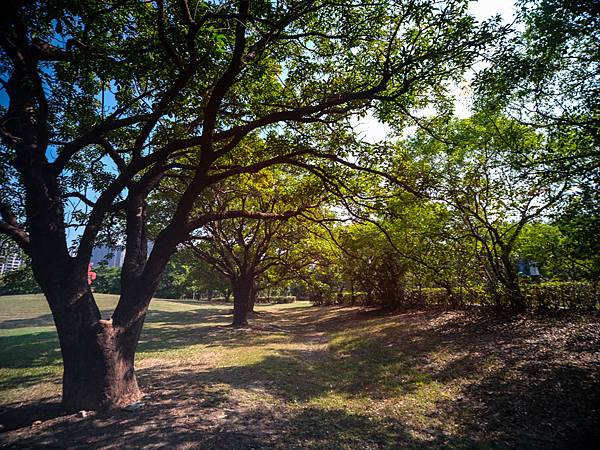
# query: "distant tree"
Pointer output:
{"type": "Point", "coordinates": [544, 244]}
{"type": "Point", "coordinates": [203, 279]}
{"type": "Point", "coordinates": [108, 279]}
{"type": "Point", "coordinates": [20, 281]}
{"type": "Point", "coordinates": [494, 196]}
{"type": "Point", "coordinates": [317, 268]}
{"type": "Point", "coordinates": [185, 276]}
{"type": "Point", "coordinates": [579, 222]}
{"type": "Point", "coordinates": [546, 75]}
{"type": "Point", "coordinates": [243, 249]}
{"type": "Point", "coordinates": [373, 264]}
{"type": "Point", "coordinates": [430, 237]}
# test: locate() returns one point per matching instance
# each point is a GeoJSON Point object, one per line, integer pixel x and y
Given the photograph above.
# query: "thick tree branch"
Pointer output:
{"type": "Point", "coordinates": [11, 228]}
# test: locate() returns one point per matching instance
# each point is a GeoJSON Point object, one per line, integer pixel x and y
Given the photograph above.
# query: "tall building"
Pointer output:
{"type": "Point", "coordinates": [10, 260]}
{"type": "Point", "coordinates": [112, 257]}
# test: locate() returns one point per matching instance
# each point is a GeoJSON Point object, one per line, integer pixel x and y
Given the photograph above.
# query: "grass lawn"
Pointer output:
{"type": "Point", "coordinates": [307, 377]}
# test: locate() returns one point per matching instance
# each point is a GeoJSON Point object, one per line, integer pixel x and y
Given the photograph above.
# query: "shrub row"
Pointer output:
{"type": "Point", "coordinates": [280, 299]}
{"type": "Point", "coordinates": [545, 296]}
{"type": "Point", "coordinates": [558, 295]}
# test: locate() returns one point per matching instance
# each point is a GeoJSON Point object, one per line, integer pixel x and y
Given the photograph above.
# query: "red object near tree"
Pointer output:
{"type": "Point", "coordinates": [91, 275]}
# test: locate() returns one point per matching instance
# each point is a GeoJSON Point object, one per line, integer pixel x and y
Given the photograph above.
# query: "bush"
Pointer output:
{"type": "Point", "coordinates": [544, 296]}
{"type": "Point", "coordinates": [563, 294]}
{"type": "Point", "coordinates": [19, 281]}
{"type": "Point", "coordinates": [280, 299]}
{"type": "Point", "coordinates": [322, 298]}
{"type": "Point", "coordinates": [108, 280]}
{"type": "Point", "coordinates": [337, 298]}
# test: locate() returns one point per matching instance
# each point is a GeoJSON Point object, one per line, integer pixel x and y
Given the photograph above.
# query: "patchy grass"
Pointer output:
{"type": "Point", "coordinates": [330, 377]}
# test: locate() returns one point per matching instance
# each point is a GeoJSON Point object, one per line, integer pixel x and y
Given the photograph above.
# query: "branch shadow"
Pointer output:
{"type": "Point", "coordinates": [524, 383]}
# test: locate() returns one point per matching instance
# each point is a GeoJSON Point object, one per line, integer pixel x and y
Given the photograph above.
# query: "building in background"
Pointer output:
{"type": "Point", "coordinates": [111, 257]}
{"type": "Point", "coordinates": [10, 260]}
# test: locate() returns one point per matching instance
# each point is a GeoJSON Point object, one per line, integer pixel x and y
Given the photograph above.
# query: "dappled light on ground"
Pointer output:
{"type": "Point", "coordinates": [307, 377]}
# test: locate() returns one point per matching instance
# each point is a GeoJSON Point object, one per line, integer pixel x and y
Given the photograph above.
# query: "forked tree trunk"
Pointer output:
{"type": "Point", "coordinates": [98, 358]}
{"type": "Point", "coordinates": [98, 355]}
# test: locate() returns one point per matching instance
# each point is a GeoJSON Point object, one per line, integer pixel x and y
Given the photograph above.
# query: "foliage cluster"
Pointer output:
{"type": "Point", "coordinates": [20, 281]}
{"type": "Point", "coordinates": [224, 132]}
{"type": "Point", "coordinates": [546, 296]}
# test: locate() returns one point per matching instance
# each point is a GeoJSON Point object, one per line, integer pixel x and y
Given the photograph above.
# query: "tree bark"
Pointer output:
{"type": "Point", "coordinates": [98, 358]}
{"type": "Point", "coordinates": [252, 297]}
{"type": "Point", "coordinates": [98, 368]}
{"type": "Point", "coordinates": [515, 295]}
{"type": "Point", "coordinates": [511, 284]}
{"type": "Point", "coordinates": [242, 292]}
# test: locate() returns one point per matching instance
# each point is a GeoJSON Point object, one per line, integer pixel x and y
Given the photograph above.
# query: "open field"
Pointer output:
{"type": "Point", "coordinates": [307, 377]}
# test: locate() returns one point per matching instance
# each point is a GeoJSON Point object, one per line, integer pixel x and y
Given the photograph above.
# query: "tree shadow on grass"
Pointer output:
{"type": "Point", "coordinates": [30, 350]}
{"type": "Point", "coordinates": [19, 415]}
{"type": "Point", "coordinates": [518, 387]}
{"type": "Point", "coordinates": [187, 424]}
{"type": "Point", "coordinates": [317, 428]}
{"type": "Point", "coordinates": [525, 382]}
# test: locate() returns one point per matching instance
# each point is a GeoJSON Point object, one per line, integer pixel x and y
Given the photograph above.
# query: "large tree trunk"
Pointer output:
{"type": "Point", "coordinates": [98, 358]}
{"type": "Point", "coordinates": [98, 354]}
{"type": "Point", "coordinates": [98, 368]}
{"type": "Point", "coordinates": [242, 292]}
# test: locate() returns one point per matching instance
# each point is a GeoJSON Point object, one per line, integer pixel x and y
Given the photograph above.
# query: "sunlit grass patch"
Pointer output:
{"type": "Point", "coordinates": [329, 377]}
{"type": "Point", "coordinates": [25, 392]}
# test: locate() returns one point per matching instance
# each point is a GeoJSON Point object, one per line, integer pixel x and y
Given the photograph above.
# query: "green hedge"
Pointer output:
{"type": "Point", "coordinates": [277, 299]}
{"type": "Point", "coordinates": [336, 298]}
{"type": "Point", "coordinates": [272, 299]}
{"type": "Point", "coordinates": [558, 295]}
{"type": "Point", "coordinates": [543, 296]}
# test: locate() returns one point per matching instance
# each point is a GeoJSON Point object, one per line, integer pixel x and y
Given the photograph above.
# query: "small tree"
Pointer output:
{"type": "Point", "coordinates": [493, 196]}
{"type": "Point", "coordinates": [107, 279]}
{"type": "Point", "coordinates": [243, 249]}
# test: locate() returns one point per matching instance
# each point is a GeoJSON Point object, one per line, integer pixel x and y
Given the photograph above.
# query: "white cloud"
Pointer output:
{"type": "Point", "coordinates": [484, 9]}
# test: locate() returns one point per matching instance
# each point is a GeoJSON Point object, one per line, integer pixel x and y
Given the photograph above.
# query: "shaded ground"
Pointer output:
{"type": "Point", "coordinates": [305, 377]}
